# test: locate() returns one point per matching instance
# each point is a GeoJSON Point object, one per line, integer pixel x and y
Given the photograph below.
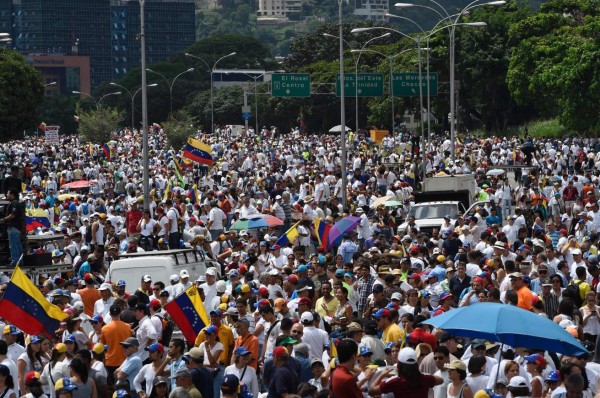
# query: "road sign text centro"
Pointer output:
{"type": "Point", "coordinates": [290, 85]}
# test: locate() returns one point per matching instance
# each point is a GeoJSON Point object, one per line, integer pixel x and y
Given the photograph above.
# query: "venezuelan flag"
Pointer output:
{"type": "Point", "coordinates": [106, 150]}
{"type": "Point", "coordinates": [186, 164]}
{"type": "Point", "coordinates": [193, 194]}
{"type": "Point", "coordinates": [198, 152]}
{"type": "Point", "coordinates": [188, 313]}
{"type": "Point", "coordinates": [322, 232]}
{"type": "Point", "coordinates": [289, 236]}
{"type": "Point", "coordinates": [25, 306]}
{"type": "Point", "coordinates": [35, 218]}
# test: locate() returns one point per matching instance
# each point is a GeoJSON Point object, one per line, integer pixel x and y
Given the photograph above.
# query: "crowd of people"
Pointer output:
{"type": "Point", "coordinates": [304, 319]}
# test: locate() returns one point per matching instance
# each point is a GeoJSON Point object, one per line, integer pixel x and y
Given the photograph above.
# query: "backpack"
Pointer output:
{"type": "Point", "coordinates": [168, 326]}
{"type": "Point", "coordinates": [572, 290]}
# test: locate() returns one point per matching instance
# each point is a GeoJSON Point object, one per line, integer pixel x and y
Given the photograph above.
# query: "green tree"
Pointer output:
{"type": "Point", "coordinates": [482, 58]}
{"type": "Point", "coordinates": [178, 128]}
{"type": "Point", "coordinates": [21, 92]}
{"type": "Point", "coordinates": [554, 64]}
{"type": "Point", "coordinates": [97, 125]}
{"type": "Point", "coordinates": [60, 110]}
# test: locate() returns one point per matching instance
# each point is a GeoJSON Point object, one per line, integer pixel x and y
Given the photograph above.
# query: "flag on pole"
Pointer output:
{"type": "Point", "coordinates": [106, 150]}
{"type": "Point", "coordinates": [35, 218]}
{"type": "Point", "coordinates": [167, 191]}
{"type": "Point", "coordinates": [25, 306]}
{"type": "Point", "coordinates": [177, 170]}
{"type": "Point", "coordinates": [322, 232]}
{"type": "Point", "coordinates": [289, 236]}
{"type": "Point", "coordinates": [198, 151]}
{"type": "Point", "coordinates": [187, 311]}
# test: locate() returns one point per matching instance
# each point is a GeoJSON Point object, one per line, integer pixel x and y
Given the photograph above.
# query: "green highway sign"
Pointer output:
{"type": "Point", "coordinates": [290, 85]}
{"type": "Point", "coordinates": [369, 85]}
{"type": "Point", "coordinates": [407, 84]}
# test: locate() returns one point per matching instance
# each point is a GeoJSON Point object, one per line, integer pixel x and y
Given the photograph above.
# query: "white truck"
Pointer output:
{"type": "Point", "coordinates": [441, 196]}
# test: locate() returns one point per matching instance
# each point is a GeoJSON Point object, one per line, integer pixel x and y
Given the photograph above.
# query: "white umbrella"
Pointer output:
{"type": "Point", "coordinates": [495, 172]}
{"type": "Point", "coordinates": [338, 129]}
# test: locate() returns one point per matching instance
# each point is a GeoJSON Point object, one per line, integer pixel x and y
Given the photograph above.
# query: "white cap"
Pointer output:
{"type": "Point", "coordinates": [306, 317]}
{"type": "Point", "coordinates": [105, 286]}
{"type": "Point", "coordinates": [518, 381]}
{"type": "Point", "coordinates": [211, 271]}
{"type": "Point", "coordinates": [273, 272]}
{"type": "Point", "coordinates": [146, 278]}
{"type": "Point", "coordinates": [396, 296]}
{"type": "Point", "coordinates": [221, 286]}
{"type": "Point", "coordinates": [407, 356]}
{"type": "Point", "coordinates": [184, 273]}
{"type": "Point", "coordinates": [174, 278]}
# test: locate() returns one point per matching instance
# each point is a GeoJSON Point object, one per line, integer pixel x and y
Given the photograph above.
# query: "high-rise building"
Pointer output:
{"type": "Point", "coordinates": [107, 31]}
{"type": "Point", "coordinates": [74, 27]}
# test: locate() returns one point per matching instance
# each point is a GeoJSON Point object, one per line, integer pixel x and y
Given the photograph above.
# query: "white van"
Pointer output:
{"type": "Point", "coordinates": [160, 265]}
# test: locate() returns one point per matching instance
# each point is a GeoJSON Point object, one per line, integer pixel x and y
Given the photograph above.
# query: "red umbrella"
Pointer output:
{"type": "Point", "coordinates": [78, 184]}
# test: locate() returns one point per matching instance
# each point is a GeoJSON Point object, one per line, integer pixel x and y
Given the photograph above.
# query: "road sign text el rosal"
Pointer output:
{"type": "Point", "coordinates": [290, 85]}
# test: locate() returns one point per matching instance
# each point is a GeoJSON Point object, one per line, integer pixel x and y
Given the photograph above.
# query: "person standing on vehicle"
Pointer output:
{"type": "Point", "coordinates": [15, 221]}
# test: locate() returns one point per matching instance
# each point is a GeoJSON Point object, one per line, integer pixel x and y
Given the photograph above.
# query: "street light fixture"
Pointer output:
{"type": "Point", "coordinates": [211, 70]}
{"type": "Point", "coordinates": [418, 40]}
{"type": "Point", "coordinates": [133, 102]}
{"type": "Point", "coordinates": [170, 84]}
{"type": "Point", "coordinates": [97, 102]}
{"type": "Point", "coordinates": [452, 27]}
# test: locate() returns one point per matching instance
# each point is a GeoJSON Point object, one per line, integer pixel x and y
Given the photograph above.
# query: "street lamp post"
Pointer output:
{"type": "Point", "coordinates": [342, 110]}
{"type": "Point", "coordinates": [133, 102]}
{"type": "Point", "coordinates": [130, 96]}
{"type": "Point", "coordinates": [97, 102]}
{"type": "Point", "coordinates": [211, 70]}
{"type": "Point", "coordinates": [418, 40]}
{"type": "Point", "coordinates": [452, 27]}
{"type": "Point", "coordinates": [145, 166]}
{"type": "Point", "coordinates": [170, 84]}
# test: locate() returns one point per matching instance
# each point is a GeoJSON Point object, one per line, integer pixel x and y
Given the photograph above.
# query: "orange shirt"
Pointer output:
{"type": "Point", "coordinates": [111, 335]}
{"type": "Point", "coordinates": [89, 296]}
{"type": "Point", "coordinates": [251, 344]}
{"type": "Point", "coordinates": [525, 298]}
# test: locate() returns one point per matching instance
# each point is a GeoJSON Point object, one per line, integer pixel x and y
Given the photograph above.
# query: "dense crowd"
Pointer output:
{"type": "Point", "coordinates": [303, 319]}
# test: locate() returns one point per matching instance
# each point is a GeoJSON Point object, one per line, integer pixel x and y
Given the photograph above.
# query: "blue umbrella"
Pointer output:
{"type": "Point", "coordinates": [509, 325]}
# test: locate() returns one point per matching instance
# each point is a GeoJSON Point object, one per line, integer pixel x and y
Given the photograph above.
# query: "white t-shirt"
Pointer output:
{"type": "Point", "coordinates": [217, 347]}
{"type": "Point", "coordinates": [217, 217]}
{"type": "Point", "coordinates": [172, 216]}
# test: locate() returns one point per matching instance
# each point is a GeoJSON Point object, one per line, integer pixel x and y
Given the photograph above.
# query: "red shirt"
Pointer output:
{"type": "Point", "coordinates": [133, 217]}
{"type": "Point", "coordinates": [424, 337]}
{"type": "Point", "coordinates": [344, 384]}
{"type": "Point", "coordinates": [401, 388]}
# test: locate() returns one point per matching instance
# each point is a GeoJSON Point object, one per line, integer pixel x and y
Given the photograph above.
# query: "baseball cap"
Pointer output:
{"type": "Point", "coordinates": [161, 380]}
{"type": "Point", "coordinates": [184, 273]}
{"type": "Point", "coordinates": [97, 318]}
{"type": "Point", "coordinates": [382, 313]}
{"type": "Point", "coordinates": [364, 350]}
{"type": "Point", "coordinates": [11, 329]}
{"type": "Point", "coordinates": [407, 356]}
{"type": "Point", "coordinates": [105, 286]}
{"type": "Point", "coordinates": [354, 327]}
{"type": "Point", "coordinates": [155, 347]}
{"type": "Point", "coordinates": [61, 348]}
{"type": "Point", "coordinates": [32, 378]}
{"type": "Point", "coordinates": [241, 351]}
{"type": "Point", "coordinates": [305, 301]}
{"type": "Point", "coordinates": [146, 278]}
{"type": "Point", "coordinates": [212, 329]}
{"type": "Point", "coordinates": [306, 317]}
{"type": "Point", "coordinates": [154, 304]}
{"type": "Point", "coordinates": [130, 341]}
{"type": "Point", "coordinates": [183, 372]}
{"type": "Point", "coordinates": [515, 275]}
{"type": "Point", "coordinates": [65, 384]}
{"type": "Point", "coordinates": [230, 384]}
{"type": "Point", "coordinates": [288, 340]}
{"type": "Point", "coordinates": [278, 304]}
{"type": "Point", "coordinates": [554, 375]}
{"type": "Point", "coordinates": [68, 339]}
{"type": "Point", "coordinates": [456, 364]}
{"type": "Point", "coordinates": [121, 282]}
{"type": "Point", "coordinates": [517, 382]}
{"type": "Point", "coordinates": [537, 359]}
{"type": "Point", "coordinates": [280, 352]}
{"type": "Point", "coordinates": [195, 353]}
{"type": "Point", "coordinates": [99, 348]}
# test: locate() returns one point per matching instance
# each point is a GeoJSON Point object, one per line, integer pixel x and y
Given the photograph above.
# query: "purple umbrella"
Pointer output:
{"type": "Point", "coordinates": [342, 227]}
